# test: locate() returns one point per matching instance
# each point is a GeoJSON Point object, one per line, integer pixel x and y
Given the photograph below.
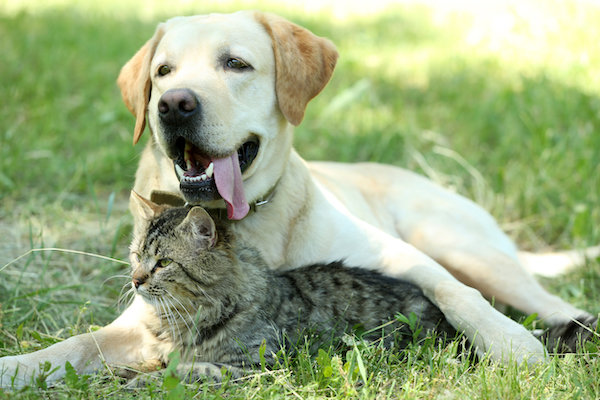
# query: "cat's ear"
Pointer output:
{"type": "Point", "coordinates": [142, 208]}
{"type": "Point", "coordinates": [200, 227]}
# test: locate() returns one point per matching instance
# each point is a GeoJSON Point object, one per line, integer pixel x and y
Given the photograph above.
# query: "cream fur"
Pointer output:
{"type": "Point", "coordinates": [374, 216]}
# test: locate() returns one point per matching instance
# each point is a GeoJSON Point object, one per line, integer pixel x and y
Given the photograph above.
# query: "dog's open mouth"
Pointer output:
{"type": "Point", "coordinates": [204, 178]}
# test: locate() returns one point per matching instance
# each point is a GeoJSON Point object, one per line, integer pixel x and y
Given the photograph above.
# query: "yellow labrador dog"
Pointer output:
{"type": "Point", "coordinates": [221, 94]}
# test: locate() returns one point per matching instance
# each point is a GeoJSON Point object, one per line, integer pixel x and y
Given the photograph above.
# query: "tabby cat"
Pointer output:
{"type": "Point", "coordinates": [217, 301]}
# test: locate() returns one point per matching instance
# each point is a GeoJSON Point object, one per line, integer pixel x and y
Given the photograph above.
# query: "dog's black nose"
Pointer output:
{"type": "Point", "coordinates": [177, 106]}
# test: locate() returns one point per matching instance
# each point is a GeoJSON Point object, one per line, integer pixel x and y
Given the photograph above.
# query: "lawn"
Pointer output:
{"type": "Point", "coordinates": [500, 102]}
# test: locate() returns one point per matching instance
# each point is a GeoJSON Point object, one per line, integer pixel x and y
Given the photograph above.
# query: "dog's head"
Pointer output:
{"type": "Point", "coordinates": [220, 93]}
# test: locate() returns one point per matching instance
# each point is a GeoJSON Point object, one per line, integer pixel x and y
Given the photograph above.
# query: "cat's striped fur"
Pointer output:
{"type": "Point", "coordinates": [218, 301]}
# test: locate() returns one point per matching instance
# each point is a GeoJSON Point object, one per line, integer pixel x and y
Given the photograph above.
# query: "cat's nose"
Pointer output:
{"type": "Point", "coordinates": [138, 281]}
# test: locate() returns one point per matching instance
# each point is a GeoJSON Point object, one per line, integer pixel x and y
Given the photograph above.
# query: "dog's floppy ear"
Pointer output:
{"type": "Point", "coordinates": [134, 82]}
{"type": "Point", "coordinates": [304, 63]}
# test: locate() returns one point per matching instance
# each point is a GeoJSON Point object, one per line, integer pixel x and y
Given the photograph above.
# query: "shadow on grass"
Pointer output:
{"type": "Point", "coordinates": [67, 135]}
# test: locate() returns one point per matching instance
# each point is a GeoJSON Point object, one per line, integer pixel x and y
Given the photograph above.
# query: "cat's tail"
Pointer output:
{"type": "Point", "coordinates": [556, 263]}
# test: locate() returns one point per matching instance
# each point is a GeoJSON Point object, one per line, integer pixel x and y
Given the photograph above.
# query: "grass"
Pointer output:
{"type": "Point", "coordinates": [503, 108]}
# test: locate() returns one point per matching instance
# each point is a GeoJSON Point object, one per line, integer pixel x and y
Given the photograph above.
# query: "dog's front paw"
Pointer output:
{"type": "Point", "coordinates": [504, 340]}
{"type": "Point", "coordinates": [570, 336]}
{"type": "Point", "coordinates": [8, 371]}
{"type": "Point", "coordinates": [16, 373]}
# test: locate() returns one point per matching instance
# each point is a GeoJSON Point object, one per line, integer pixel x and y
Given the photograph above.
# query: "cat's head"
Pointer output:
{"type": "Point", "coordinates": [177, 253]}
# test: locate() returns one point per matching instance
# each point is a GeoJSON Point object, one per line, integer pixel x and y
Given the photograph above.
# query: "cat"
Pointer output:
{"type": "Point", "coordinates": [217, 301]}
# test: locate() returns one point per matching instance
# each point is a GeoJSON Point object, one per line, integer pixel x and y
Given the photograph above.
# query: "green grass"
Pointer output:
{"type": "Point", "coordinates": [508, 117]}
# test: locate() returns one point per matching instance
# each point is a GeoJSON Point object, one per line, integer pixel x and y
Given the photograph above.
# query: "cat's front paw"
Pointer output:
{"type": "Point", "coordinates": [133, 370]}
{"type": "Point", "coordinates": [144, 379]}
{"type": "Point", "coordinates": [186, 372]}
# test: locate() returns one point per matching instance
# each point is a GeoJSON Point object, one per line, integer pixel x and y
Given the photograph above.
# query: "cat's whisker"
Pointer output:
{"type": "Point", "coordinates": [122, 299]}
{"type": "Point", "coordinates": [181, 304]}
{"type": "Point", "coordinates": [174, 318]}
{"type": "Point", "coordinates": [181, 316]}
{"type": "Point", "coordinates": [159, 310]}
{"type": "Point", "coordinates": [171, 319]}
{"type": "Point", "coordinates": [122, 293]}
{"type": "Point", "coordinates": [127, 299]}
{"type": "Point", "coordinates": [156, 306]}
{"type": "Point", "coordinates": [163, 311]}
{"type": "Point", "coordinates": [207, 296]}
{"type": "Point", "coordinates": [184, 321]}
{"type": "Point", "coordinates": [116, 276]}
{"type": "Point", "coordinates": [166, 316]}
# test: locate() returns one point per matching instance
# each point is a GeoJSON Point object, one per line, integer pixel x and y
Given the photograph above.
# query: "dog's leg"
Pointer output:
{"type": "Point", "coordinates": [343, 236]}
{"type": "Point", "coordinates": [480, 255]}
{"type": "Point", "coordinates": [499, 276]}
{"type": "Point", "coordinates": [465, 308]}
{"type": "Point", "coordinates": [461, 236]}
{"type": "Point", "coordinates": [454, 231]}
{"type": "Point", "coordinates": [553, 264]}
{"type": "Point", "coordinates": [469, 244]}
{"type": "Point", "coordinates": [125, 341]}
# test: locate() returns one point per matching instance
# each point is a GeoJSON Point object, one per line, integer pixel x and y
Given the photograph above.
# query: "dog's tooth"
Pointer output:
{"type": "Point", "coordinates": [209, 170]}
{"type": "Point", "coordinates": [187, 155]}
{"type": "Point", "coordinates": [179, 170]}
{"type": "Point", "coordinates": [203, 177]}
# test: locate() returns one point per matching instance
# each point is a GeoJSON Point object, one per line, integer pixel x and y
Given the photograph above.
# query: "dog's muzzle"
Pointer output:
{"type": "Point", "coordinates": [195, 169]}
{"type": "Point", "coordinates": [203, 174]}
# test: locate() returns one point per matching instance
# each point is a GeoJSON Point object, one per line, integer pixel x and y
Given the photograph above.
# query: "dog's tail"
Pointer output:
{"type": "Point", "coordinates": [556, 263]}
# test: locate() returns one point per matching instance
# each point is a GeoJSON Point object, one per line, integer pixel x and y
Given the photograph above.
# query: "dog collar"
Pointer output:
{"type": "Point", "coordinates": [254, 207]}
{"type": "Point", "coordinates": [265, 199]}
{"type": "Point", "coordinates": [174, 199]}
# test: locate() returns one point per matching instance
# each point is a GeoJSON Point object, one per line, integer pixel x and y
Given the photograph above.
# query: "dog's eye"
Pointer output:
{"type": "Point", "coordinates": [236, 63]}
{"type": "Point", "coordinates": [163, 70]}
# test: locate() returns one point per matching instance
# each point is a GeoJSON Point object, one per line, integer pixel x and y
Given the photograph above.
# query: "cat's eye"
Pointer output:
{"type": "Point", "coordinates": [164, 262]}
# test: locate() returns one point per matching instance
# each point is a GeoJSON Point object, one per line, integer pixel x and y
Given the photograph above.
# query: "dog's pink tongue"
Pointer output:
{"type": "Point", "coordinates": [228, 179]}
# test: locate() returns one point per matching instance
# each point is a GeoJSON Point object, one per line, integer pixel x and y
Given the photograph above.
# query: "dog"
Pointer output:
{"type": "Point", "coordinates": [221, 95]}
